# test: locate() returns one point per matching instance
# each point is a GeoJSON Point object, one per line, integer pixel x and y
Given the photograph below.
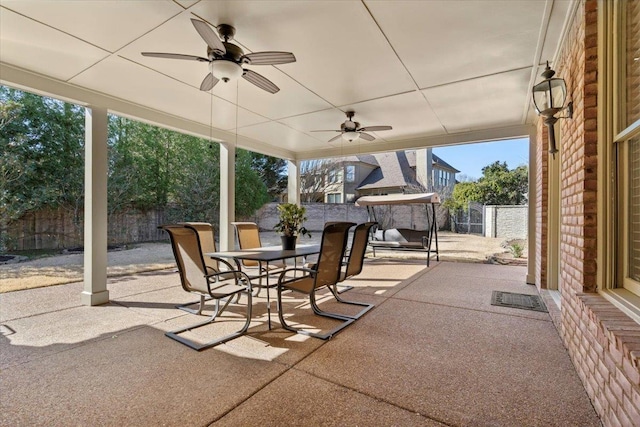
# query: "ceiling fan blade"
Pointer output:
{"type": "Point", "coordinates": [208, 35]}
{"type": "Point", "coordinates": [175, 56]}
{"type": "Point", "coordinates": [208, 83]}
{"type": "Point", "coordinates": [269, 58]}
{"type": "Point", "coordinates": [375, 128]}
{"type": "Point", "coordinates": [326, 130]}
{"type": "Point", "coordinates": [335, 138]}
{"type": "Point", "coordinates": [259, 80]}
{"type": "Point", "coordinates": [366, 136]}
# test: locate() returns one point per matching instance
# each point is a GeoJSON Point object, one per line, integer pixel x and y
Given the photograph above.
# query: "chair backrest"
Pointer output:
{"type": "Point", "coordinates": [334, 242]}
{"type": "Point", "coordinates": [248, 235]}
{"type": "Point", "coordinates": [188, 254]}
{"type": "Point", "coordinates": [207, 242]}
{"type": "Point", "coordinates": [358, 248]}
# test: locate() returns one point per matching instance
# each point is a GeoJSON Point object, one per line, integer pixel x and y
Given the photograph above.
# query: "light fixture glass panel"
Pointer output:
{"type": "Point", "coordinates": [225, 70]}
{"type": "Point", "coordinates": [350, 136]}
{"type": "Point", "coordinates": [549, 94]}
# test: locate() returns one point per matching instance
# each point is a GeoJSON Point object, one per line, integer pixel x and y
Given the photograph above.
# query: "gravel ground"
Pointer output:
{"type": "Point", "coordinates": [59, 269]}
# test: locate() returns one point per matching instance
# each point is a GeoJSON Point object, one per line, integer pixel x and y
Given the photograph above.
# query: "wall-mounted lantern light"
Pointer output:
{"type": "Point", "coordinates": [549, 98]}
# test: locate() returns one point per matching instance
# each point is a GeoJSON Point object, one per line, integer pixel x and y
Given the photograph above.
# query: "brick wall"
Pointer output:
{"type": "Point", "coordinates": [602, 341]}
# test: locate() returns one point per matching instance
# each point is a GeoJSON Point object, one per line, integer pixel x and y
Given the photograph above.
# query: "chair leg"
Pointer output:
{"type": "Point", "coordinates": [197, 311]}
{"type": "Point", "coordinates": [367, 306]}
{"type": "Point", "coordinates": [344, 288]}
{"type": "Point", "coordinates": [196, 346]}
{"type": "Point", "coordinates": [327, 335]}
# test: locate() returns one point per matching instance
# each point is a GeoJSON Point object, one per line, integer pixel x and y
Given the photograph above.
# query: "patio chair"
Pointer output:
{"type": "Point", "coordinates": [196, 278]}
{"type": "Point", "coordinates": [208, 244]}
{"type": "Point", "coordinates": [353, 266]}
{"type": "Point", "coordinates": [326, 273]}
{"type": "Point", "coordinates": [248, 235]}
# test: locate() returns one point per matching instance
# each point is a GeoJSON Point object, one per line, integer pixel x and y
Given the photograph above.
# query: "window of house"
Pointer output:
{"type": "Point", "coordinates": [350, 173]}
{"type": "Point", "coordinates": [334, 176]}
{"type": "Point", "coordinates": [628, 148]}
{"type": "Point", "coordinates": [625, 136]}
{"type": "Point", "coordinates": [334, 198]}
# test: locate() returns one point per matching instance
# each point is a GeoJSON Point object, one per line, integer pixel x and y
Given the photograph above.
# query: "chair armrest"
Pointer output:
{"type": "Point", "coordinates": [227, 263]}
{"type": "Point", "coordinates": [303, 269]}
{"type": "Point", "coordinates": [237, 274]}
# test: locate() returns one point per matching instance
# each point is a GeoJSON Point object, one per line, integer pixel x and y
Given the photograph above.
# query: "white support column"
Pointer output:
{"type": "Point", "coordinates": [227, 195]}
{"type": "Point", "coordinates": [531, 223]}
{"type": "Point", "coordinates": [95, 207]}
{"type": "Point", "coordinates": [293, 185]}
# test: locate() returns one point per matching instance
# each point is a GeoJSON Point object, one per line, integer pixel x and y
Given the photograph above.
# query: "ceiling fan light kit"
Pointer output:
{"type": "Point", "coordinates": [350, 136]}
{"type": "Point", "coordinates": [226, 70]}
{"type": "Point", "coordinates": [226, 59]}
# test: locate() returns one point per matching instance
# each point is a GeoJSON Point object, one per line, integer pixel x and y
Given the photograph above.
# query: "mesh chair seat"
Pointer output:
{"type": "Point", "coordinates": [354, 265]}
{"type": "Point", "coordinates": [196, 277]}
{"type": "Point", "coordinates": [327, 272]}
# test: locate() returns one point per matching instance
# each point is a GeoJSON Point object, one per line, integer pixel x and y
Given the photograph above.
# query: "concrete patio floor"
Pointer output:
{"type": "Point", "coordinates": [432, 352]}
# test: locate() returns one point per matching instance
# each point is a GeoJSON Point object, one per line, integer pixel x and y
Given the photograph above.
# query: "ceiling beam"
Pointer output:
{"type": "Point", "coordinates": [364, 147]}
{"type": "Point", "coordinates": [46, 86]}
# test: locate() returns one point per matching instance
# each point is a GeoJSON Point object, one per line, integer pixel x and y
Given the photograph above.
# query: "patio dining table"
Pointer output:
{"type": "Point", "coordinates": [265, 255]}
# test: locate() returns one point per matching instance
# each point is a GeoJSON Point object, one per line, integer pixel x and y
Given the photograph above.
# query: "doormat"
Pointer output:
{"type": "Point", "coordinates": [523, 301]}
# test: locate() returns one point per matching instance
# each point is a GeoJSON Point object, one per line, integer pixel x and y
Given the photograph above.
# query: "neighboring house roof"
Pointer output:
{"type": "Point", "coordinates": [437, 161]}
{"type": "Point", "coordinates": [361, 158]}
{"type": "Point", "coordinates": [393, 171]}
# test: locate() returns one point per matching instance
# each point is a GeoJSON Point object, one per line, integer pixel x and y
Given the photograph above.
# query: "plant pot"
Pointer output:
{"type": "Point", "coordinates": [288, 242]}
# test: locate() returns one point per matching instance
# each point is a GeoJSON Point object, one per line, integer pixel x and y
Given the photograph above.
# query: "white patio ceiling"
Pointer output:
{"type": "Point", "coordinates": [439, 72]}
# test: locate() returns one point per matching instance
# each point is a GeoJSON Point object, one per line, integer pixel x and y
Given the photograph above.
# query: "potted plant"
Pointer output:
{"type": "Point", "coordinates": [291, 218]}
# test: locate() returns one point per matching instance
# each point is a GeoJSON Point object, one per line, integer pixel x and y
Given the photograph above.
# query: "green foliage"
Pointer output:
{"type": "Point", "coordinates": [41, 156]}
{"type": "Point", "coordinates": [251, 191]}
{"type": "Point", "coordinates": [272, 172]}
{"type": "Point", "coordinates": [195, 189]}
{"type": "Point", "coordinates": [463, 193]}
{"type": "Point", "coordinates": [516, 249]}
{"type": "Point", "coordinates": [42, 165]}
{"type": "Point", "coordinates": [497, 186]}
{"type": "Point", "coordinates": [291, 217]}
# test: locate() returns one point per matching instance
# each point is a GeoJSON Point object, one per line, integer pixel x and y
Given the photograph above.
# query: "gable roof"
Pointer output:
{"type": "Point", "coordinates": [437, 161]}
{"type": "Point", "coordinates": [393, 171]}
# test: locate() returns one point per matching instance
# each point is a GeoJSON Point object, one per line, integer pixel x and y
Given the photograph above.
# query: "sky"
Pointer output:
{"type": "Point", "coordinates": [469, 159]}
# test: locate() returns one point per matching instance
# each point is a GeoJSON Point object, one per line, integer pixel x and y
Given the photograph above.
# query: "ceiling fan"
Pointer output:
{"type": "Point", "coordinates": [226, 60]}
{"type": "Point", "coordinates": [350, 130]}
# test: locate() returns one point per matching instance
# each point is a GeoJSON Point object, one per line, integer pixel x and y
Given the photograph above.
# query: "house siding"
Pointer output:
{"type": "Point", "coordinates": [601, 340]}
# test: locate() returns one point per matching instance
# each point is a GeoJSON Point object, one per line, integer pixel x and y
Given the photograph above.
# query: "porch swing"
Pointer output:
{"type": "Point", "coordinates": [404, 239]}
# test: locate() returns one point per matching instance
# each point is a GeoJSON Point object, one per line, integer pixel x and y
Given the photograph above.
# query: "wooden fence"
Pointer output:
{"type": "Point", "coordinates": [64, 229]}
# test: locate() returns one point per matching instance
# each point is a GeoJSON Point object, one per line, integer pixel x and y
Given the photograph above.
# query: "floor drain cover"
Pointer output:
{"type": "Point", "coordinates": [523, 301]}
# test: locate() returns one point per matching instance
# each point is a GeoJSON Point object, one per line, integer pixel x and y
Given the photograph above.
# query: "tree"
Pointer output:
{"type": "Point", "coordinates": [251, 190]}
{"type": "Point", "coordinates": [42, 161]}
{"type": "Point", "coordinates": [315, 178]}
{"type": "Point", "coordinates": [497, 186]}
{"type": "Point", "coordinates": [149, 168]}
{"type": "Point", "coordinates": [272, 172]}
{"type": "Point", "coordinates": [11, 171]}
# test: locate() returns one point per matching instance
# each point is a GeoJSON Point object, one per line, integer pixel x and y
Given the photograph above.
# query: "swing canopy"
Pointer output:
{"type": "Point", "coordinates": [398, 199]}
